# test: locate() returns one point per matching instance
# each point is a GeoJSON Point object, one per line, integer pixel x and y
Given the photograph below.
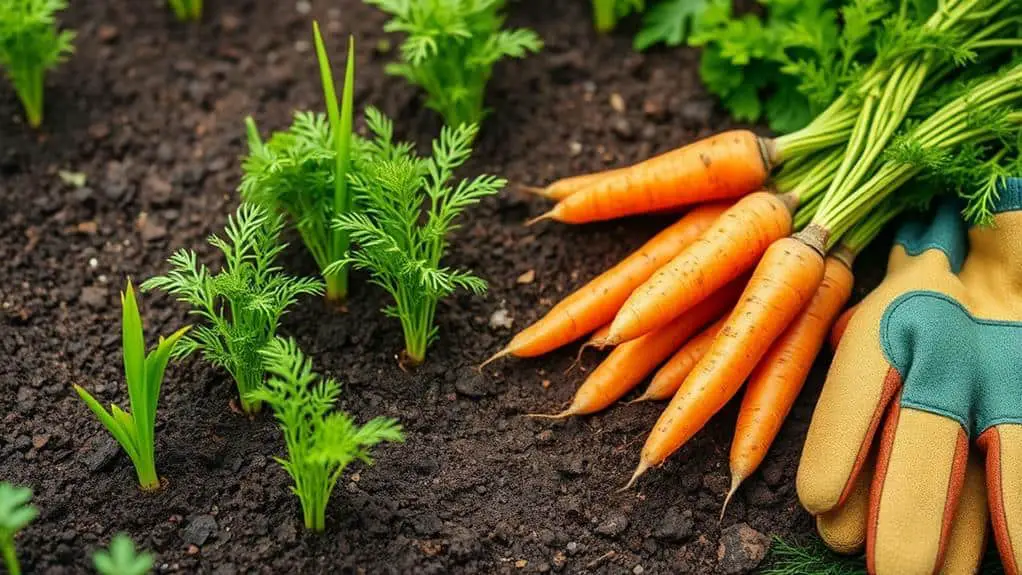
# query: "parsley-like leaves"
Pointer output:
{"type": "Point", "coordinates": [320, 442]}
{"type": "Point", "coordinates": [122, 558]}
{"type": "Point", "coordinates": [242, 304]}
{"type": "Point", "coordinates": [400, 246]}
{"type": "Point", "coordinates": [670, 22]}
{"type": "Point", "coordinates": [15, 514]}
{"type": "Point", "coordinates": [450, 49]}
{"type": "Point", "coordinates": [29, 46]}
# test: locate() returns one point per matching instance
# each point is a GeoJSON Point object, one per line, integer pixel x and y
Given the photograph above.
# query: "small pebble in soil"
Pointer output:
{"type": "Point", "coordinates": [199, 530]}
{"type": "Point", "coordinates": [574, 148]}
{"type": "Point", "coordinates": [573, 548]}
{"type": "Point", "coordinates": [501, 319]}
{"type": "Point", "coordinates": [622, 128]}
{"type": "Point", "coordinates": [613, 526]}
{"type": "Point", "coordinates": [617, 103]}
{"type": "Point", "coordinates": [638, 570]}
{"type": "Point", "coordinates": [102, 453]}
{"type": "Point", "coordinates": [741, 549]}
{"type": "Point", "coordinates": [675, 526]}
{"type": "Point", "coordinates": [526, 278]}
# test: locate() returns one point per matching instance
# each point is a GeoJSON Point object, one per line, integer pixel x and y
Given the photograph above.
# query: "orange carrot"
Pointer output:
{"type": "Point", "coordinates": [728, 249]}
{"type": "Point", "coordinates": [567, 186]}
{"type": "Point", "coordinates": [667, 381]}
{"type": "Point", "coordinates": [724, 166]}
{"type": "Point", "coordinates": [594, 341]}
{"type": "Point", "coordinates": [632, 361]}
{"type": "Point", "coordinates": [783, 283]}
{"type": "Point", "coordinates": [778, 379]}
{"type": "Point", "coordinates": [840, 325]}
{"type": "Point", "coordinates": [594, 304]}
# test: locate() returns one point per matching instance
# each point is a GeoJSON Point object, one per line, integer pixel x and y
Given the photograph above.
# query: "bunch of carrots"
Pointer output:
{"type": "Point", "coordinates": [746, 286]}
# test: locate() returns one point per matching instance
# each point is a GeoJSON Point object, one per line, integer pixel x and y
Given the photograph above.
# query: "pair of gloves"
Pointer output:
{"type": "Point", "coordinates": [915, 447]}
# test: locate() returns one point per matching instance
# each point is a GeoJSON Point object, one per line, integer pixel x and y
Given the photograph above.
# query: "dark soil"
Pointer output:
{"type": "Point", "coordinates": [151, 112]}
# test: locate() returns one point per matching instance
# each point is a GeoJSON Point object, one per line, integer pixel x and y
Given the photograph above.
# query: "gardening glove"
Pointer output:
{"type": "Point", "coordinates": [936, 350]}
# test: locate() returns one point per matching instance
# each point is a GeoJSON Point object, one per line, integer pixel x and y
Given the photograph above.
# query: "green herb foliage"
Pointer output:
{"type": "Point", "coordinates": [670, 22]}
{"type": "Point", "coordinates": [29, 46]}
{"type": "Point", "coordinates": [788, 65]}
{"type": "Point", "coordinates": [400, 247]}
{"type": "Point", "coordinates": [606, 13]}
{"type": "Point", "coordinates": [135, 430]}
{"type": "Point", "coordinates": [450, 50]}
{"type": "Point", "coordinates": [320, 442]}
{"type": "Point", "coordinates": [15, 514]}
{"type": "Point", "coordinates": [122, 558]}
{"type": "Point", "coordinates": [242, 304]}
{"type": "Point", "coordinates": [186, 9]}
{"type": "Point", "coordinates": [302, 172]}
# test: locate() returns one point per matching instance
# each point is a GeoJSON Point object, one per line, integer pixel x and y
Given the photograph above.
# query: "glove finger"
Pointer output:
{"type": "Point", "coordinates": [843, 528]}
{"type": "Point", "coordinates": [859, 387]}
{"type": "Point", "coordinates": [1003, 447]}
{"type": "Point", "coordinates": [968, 538]}
{"type": "Point", "coordinates": [920, 473]}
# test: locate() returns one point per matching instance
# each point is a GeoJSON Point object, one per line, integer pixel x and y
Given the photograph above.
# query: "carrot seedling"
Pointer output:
{"type": "Point", "coordinates": [135, 430]}
{"type": "Point", "coordinates": [302, 172]}
{"type": "Point", "coordinates": [320, 442]}
{"type": "Point", "coordinates": [450, 51]}
{"type": "Point", "coordinates": [242, 304]}
{"type": "Point", "coordinates": [186, 9]}
{"type": "Point", "coordinates": [401, 248]}
{"type": "Point", "coordinates": [122, 558]}
{"type": "Point", "coordinates": [15, 514]}
{"type": "Point", "coordinates": [606, 13]}
{"type": "Point", "coordinates": [29, 46]}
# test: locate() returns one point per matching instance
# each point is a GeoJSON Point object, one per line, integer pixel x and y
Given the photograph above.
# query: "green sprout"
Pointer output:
{"type": "Point", "coordinates": [400, 246]}
{"type": "Point", "coordinates": [606, 13]}
{"type": "Point", "coordinates": [29, 46]}
{"type": "Point", "coordinates": [135, 431]}
{"type": "Point", "coordinates": [122, 558]}
{"type": "Point", "coordinates": [186, 9]}
{"type": "Point", "coordinates": [450, 50]}
{"type": "Point", "coordinates": [242, 304]}
{"type": "Point", "coordinates": [302, 172]}
{"type": "Point", "coordinates": [320, 442]}
{"type": "Point", "coordinates": [15, 514]}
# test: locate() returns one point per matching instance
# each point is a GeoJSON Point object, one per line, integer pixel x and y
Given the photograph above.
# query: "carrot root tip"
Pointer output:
{"type": "Point", "coordinates": [562, 415]}
{"type": "Point", "coordinates": [502, 353]}
{"type": "Point", "coordinates": [547, 216]}
{"type": "Point", "coordinates": [736, 480]}
{"type": "Point", "coordinates": [642, 398]}
{"type": "Point", "coordinates": [639, 470]}
{"type": "Point", "coordinates": [534, 190]}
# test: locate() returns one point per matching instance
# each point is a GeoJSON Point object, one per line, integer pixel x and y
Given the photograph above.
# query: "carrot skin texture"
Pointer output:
{"type": "Point", "coordinates": [729, 248]}
{"type": "Point", "coordinates": [777, 380]}
{"type": "Point", "coordinates": [783, 283]}
{"type": "Point", "coordinates": [595, 304]}
{"type": "Point", "coordinates": [724, 166]}
{"type": "Point", "coordinates": [632, 361]}
{"type": "Point", "coordinates": [840, 325]}
{"type": "Point", "coordinates": [668, 379]}
{"type": "Point", "coordinates": [565, 187]}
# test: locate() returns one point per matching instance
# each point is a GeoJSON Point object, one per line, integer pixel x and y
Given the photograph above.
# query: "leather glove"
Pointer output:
{"type": "Point", "coordinates": [926, 387]}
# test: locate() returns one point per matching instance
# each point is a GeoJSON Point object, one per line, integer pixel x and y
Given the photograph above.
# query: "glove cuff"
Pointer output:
{"type": "Point", "coordinates": [1009, 198]}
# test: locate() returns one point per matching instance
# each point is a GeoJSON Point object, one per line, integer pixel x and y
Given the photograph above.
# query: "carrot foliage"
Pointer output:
{"type": "Point", "coordinates": [606, 13]}
{"type": "Point", "coordinates": [241, 305]}
{"type": "Point", "coordinates": [136, 430]}
{"type": "Point", "coordinates": [186, 9]}
{"type": "Point", "coordinates": [122, 558]}
{"type": "Point", "coordinates": [320, 442]}
{"type": "Point", "coordinates": [400, 246]}
{"type": "Point", "coordinates": [15, 514]}
{"type": "Point", "coordinates": [30, 44]}
{"type": "Point", "coordinates": [450, 49]}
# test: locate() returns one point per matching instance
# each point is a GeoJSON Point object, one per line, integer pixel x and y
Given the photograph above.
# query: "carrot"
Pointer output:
{"type": "Point", "coordinates": [594, 304]}
{"type": "Point", "coordinates": [778, 379]}
{"type": "Point", "coordinates": [667, 381]}
{"type": "Point", "coordinates": [839, 326]}
{"type": "Point", "coordinates": [567, 186]}
{"type": "Point", "coordinates": [729, 248]}
{"type": "Point", "coordinates": [724, 166]}
{"type": "Point", "coordinates": [595, 341]}
{"type": "Point", "coordinates": [782, 284]}
{"type": "Point", "coordinates": [632, 361]}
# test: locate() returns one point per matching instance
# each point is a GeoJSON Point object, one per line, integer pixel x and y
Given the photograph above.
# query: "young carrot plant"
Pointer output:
{"type": "Point", "coordinates": [451, 48]}
{"type": "Point", "coordinates": [122, 558]}
{"type": "Point", "coordinates": [242, 304]}
{"type": "Point", "coordinates": [29, 46]}
{"type": "Point", "coordinates": [186, 9]}
{"type": "Point", "coordinates": [606, 13]}
{"type": "Point", "coordinates": [320, 442]}
{"type": "Point", "coordinates": [15, 514]}
{"type": "Point", "coordinates": [135, 430]}
{"type": "Point", "coordinates": [401, 249]}
{"type": "Point", "coordinates": [302, 172]}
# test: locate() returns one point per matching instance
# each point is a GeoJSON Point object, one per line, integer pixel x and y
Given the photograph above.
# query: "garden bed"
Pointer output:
{"type": "Point", "coordinates": [151, 111]}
